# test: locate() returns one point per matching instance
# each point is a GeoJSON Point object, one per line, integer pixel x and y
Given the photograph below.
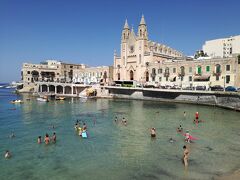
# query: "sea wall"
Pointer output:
{"type": "Point", "coordinates": [222, 99]}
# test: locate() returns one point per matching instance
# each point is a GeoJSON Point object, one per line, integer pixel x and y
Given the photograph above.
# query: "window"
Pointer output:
{"type": "Point", "coordinates": [207, 68]}
{"type": "Point", "coordinates": [160, 79]}
{"type": "Point", "coordinates": [190, 69]}
{"type": "Point", "coordinates": [28, 72]}
{"type": "Point", "coordinates": [227, 79]}
{"type": "Point", "coordinates": [140, 58]}
{"type": "Point", "coordinates": [217, 78]}
{"type": "Point", "coordinates": [160, 71]}
{"type": "Point", "coordinates": [228, 67]}
{"type": "Point", "coordinates": [190, 78]}
{"type": "Point", "coordinates": [174, 70]}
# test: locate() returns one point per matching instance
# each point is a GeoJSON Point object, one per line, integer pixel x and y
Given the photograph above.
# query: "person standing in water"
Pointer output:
{"type": "Point", "coordinates": [197, 116]}
{"type": "Point", "coordinates": [54, 138]}
{"type": "Point", "coordinates": [153, 132]}
{"type": "Point", "coordinates": [187, 136]}
{"type": "Point", "coordinates": [47, 139]}
{"type": "Point", "coordinates": [185, 156]}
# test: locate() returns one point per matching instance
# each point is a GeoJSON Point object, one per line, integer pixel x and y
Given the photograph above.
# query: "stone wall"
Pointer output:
{"type": "Point", "coordinates": [221, 99]}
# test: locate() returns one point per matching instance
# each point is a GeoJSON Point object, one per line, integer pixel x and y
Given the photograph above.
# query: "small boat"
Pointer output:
{"type": "Point", "coordinates": [42, 99]}
{"type": "Point", "coordinates": [60, 98]}
{"type": "Point", "coordinates": [16, 101]}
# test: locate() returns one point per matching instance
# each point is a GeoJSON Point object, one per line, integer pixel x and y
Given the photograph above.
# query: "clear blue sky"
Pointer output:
{"type": "Point", "coordinates": [83, 31]}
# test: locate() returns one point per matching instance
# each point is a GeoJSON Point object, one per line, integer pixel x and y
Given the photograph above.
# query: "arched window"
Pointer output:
{"type": "Point", "coordinates": [140, 58]}
{"type": "Point", "coordinates": [140, 33]}
{"type": "Point", "coordinates": [118, 76]}
{"type": "Point", "coordinates": [123, 35]}
{"type": "Point", "coordinates": [131, 75]}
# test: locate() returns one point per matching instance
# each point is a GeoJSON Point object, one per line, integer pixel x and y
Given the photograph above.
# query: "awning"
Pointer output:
{"type": "Point", "coordinates": [202, 78]}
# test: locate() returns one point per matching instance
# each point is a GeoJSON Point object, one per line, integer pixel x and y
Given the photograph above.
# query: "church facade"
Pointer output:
{"type": "Point", "coordinates": [137, 53]}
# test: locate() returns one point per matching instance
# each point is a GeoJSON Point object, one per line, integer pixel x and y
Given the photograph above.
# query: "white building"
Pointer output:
{"type": "Point", "coordinates": [225, 47]}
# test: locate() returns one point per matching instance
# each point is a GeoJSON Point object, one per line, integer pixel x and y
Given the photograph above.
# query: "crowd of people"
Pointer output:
{"type": "Point", "coordinates": [81, 129]}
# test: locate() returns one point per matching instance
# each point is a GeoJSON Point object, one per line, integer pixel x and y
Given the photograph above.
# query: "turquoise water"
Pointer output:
{"type": "Point", "coordinates": [112, 150]}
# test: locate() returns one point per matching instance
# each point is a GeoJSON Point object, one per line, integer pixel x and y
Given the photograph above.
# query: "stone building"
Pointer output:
{"type": "Point", "coordinates": [88, 75]}
{"type": "Point", "coordinates": [137, 51]}
{"type": "Point", "coordinates": [192, 73]}
{"type": "Point", "coordinates": [49, 70]}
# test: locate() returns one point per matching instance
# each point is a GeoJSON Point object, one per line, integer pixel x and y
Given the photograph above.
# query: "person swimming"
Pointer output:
{"type": "Point", "coordinates": [84, 126]}
{"type": "Point", "coordinates": [54, 138]}
{"type": "Point", "coordinates": [116, 119]}
{"type": "Point", "coordinates": [7, 154]}
{"type": "Point", "coordinates": [187, 137]}
{"type": "Point", "coordinates": [124, 121]}
{"type": "Point", "coordinates": [39, 140]}
{"type": "Point", "coordinates": [171, 140]}
{"type": "Point", "coordinates": [47, 139]}
{"type": "Point", "coordinates": [185, 156]}
{"type": "Point", "coordinates": [153, 132]}
{"type": "Point", "coordinates": [180, 129]}
{"type": "Point", "coordinates": [184, 114]}
{"type": "Point", "coordinates": [196, 115]}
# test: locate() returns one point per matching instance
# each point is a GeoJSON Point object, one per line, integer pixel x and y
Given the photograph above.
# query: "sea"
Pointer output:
{"type": "Point", "coordinates": [112, 150]}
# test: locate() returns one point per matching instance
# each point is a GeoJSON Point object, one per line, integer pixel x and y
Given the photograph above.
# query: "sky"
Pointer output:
{"type": "Point", "coordinates": [88, 31]}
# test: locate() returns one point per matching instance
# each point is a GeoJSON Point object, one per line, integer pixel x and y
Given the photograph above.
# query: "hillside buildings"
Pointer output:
{"type": "Point", "coordinates": [221, 48]}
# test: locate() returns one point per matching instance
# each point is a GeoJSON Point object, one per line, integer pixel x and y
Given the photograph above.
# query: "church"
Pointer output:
{"type": "Point", "coordinates": [138, 53]}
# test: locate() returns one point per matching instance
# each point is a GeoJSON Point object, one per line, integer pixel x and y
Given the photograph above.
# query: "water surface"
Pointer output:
{"type": "Point", "coordinates": [112, 150]}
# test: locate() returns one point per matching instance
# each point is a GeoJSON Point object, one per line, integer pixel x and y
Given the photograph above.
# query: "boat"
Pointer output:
{"type": "Point", "coordinates": [16, 101]}
{"type": "Point", "coordinates": [60, 98]}
{"type": "Point", "coordinates": [42, 99]}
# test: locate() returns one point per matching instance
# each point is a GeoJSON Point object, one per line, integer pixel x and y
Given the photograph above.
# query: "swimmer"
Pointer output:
{"type": "Point", "coordinates": [180, 129]}
{"type": "Point", "coordinates": [196, 115]}
{"type": "Point", "coordinates": [80, 131]}
{"type": "Point", "coordinates": [116, 119]}
{"type": "Point", "coordinates": [184, 114]}
{"type": "Point", "coordinates": [185, 156]}
{"type": "Point", "coordinates": [124, 121]}
{"type": "Point", "coordinates": [153, 132]}
{"type": "Point", "coordinates": [7, 154]}
{"type": "Point", "coordinates": [54, 137]}
{"type": "Point", "coordinates": [171, 140]}
{"type": "Point", "coordinates": [187, 138]}
{"type": "Point", "coordinates": [76, 126]}
{"type": "Point", "coordinates": [39, 139]}
{"type": "Point", "coordinates": [47, 139]}
{"type": "Point", "coordinates": [84, 126]}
